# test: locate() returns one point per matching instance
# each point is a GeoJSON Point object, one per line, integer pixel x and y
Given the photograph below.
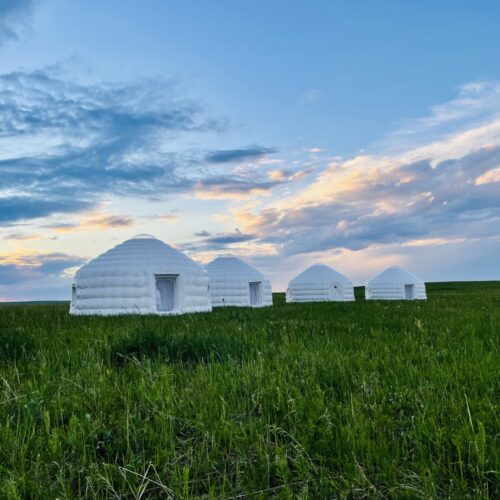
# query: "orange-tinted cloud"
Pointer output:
{"type": "Point", "coordinates": [95, 221]}
{"type": "Point", "coordinates": [492, 175]}
{"type": "Point", "coordinates": [168, 217]}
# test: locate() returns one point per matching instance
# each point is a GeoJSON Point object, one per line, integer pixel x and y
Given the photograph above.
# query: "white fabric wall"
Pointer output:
{"type": "Point", "coordinates": [230, 280]}
{"type": "Point", "coordinates": [316, 283]}
{"type": "Point", "coordinates": [122, 280]}
{"type": "Point", "coordinates": [390, 285]}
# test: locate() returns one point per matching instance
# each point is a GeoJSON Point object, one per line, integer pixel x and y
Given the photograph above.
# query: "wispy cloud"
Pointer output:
{"type": "Point", "coordinates": [234, 187]}
{"type": "Point", "coordinates": [217, 241]}
{"type": "Point", "coordinates": [458, 125]}
{"type": "Point", "coordinates": [168, 217]}
{"type": "Point", "coordinates": [237, 155]}
{"type": "Point", "coordinates": [229, 238]}
{"type": "Point", "coordinates": [93, 222]}
{"type": "Point", "coordinates": [19, 237]}
{"type": "Point", "coordinates": [202, 234]}
{"type": "Point", "coordinates": [13, 14]}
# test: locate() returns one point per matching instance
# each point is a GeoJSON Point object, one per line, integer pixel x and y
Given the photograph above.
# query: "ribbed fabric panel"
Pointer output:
{"type": "Point", "coordinates": [320, 283]}
{"type": "Point", "coordinates": [122, 280]}
{"type": "Point", "coordinates": [390, 285]}
{"type": "Point", "coordinates": [230, 280]}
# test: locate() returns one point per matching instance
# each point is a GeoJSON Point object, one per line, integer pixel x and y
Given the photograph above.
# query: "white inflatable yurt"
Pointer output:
{"type": "Point", "coordinates": [235, 283]}
{"type": "Point", "coordinates": [142, 275]}
{"type": "Point", "coordinates": [395, 284]}
{"type": "Point", "coordinates": [319, 283]}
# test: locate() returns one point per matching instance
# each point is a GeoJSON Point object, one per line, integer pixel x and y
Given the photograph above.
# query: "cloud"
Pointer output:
{"type": "Point", "coordinates": [234, 187]}
{"type": "Point", "coordinates": [14, 208]}
{"type": "Point", "coordinates": [228, 238]}
{"type": "Point", "coordinates": [432, 242]}
{"type": "Point", "coordinates": [64, 145]}
{"type": "Point", "coordinates": [458, 125]}
{"type": "Point", "coordinates": [443, 190]}
{"type": "Point", "coordinates": [488, 177]}
{"type": "Point", "coordinates": [352, 211]}
{"type": "Point", "coordinates": [210, 242]}
{"type": "Point", "coordinates": [12, 15]}
{"type": "Point", "coordinates": [19, 237]}
{"type": "Point", "coordinates": [237, 155]}
{"type": "Point", "coordinates": [84, 141]}
{"type": "Point", "coordinates": [168, 217]}
{"type": "Point", "coordinates": [94, 222]}
{"type": "Point", "coordinates": [35, 276]}
{"type": "Point", "coordinates": [288, 175]}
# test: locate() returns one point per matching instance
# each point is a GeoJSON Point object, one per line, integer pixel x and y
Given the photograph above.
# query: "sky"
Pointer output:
{"type": "Point", "coordinates": [356, 134]}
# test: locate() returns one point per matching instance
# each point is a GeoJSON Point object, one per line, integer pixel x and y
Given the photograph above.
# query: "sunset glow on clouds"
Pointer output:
{"type": "Point", "coordinates": [88, 161]}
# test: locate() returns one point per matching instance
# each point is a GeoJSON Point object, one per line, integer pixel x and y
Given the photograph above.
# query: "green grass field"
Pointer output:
{"type": "Point", "coordinates": [360, 400]}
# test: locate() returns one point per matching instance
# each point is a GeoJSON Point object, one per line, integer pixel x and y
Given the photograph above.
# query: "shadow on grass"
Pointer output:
{"type": "Point", "coordinates": [186, 349]}
{"type": "Point", "coordinates": [14, 344]}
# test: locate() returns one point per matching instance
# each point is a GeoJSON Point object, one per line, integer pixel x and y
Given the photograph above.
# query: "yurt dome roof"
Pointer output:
{"type": "Point", "coordinates": [319, 272]}
{"type": "Point", "coordinates": [142, 252]}
{"type": "Point", "coordinates": [143, 236]}
{"type": "Point", "coordinates": [395, 274]}
{"type": "Point", "coordinates": [233, 268]}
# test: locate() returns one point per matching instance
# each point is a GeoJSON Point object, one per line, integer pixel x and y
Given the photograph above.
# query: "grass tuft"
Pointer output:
{"type": "Point", "coordinates": [188, 349]}
{"type": "Point", "coordinates": [14, 344]}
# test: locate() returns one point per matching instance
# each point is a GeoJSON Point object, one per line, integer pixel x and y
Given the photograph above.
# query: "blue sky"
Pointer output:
{"type": "Point", "coordinates": [358, 134]}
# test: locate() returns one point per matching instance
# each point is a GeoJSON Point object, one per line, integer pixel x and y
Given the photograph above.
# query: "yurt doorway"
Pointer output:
{"type": "Point", "coordinates": [409, 292]}
{"type": "Point", "coordinates": [336, 291]}
{"type": "Point", "coordinates": [254, 293]}
{"type": "Point", "coordinates": [165, 292]}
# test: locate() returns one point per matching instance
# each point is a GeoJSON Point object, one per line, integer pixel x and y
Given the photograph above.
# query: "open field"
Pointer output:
{"type": "Point", "coordinates": [398, 400]}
